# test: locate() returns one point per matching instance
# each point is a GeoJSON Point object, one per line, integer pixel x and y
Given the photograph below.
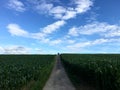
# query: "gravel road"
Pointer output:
{"type": "Point", "coordinates": [58, 79]}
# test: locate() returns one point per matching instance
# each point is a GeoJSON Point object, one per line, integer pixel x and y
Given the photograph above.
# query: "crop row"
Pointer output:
{"type": "Point", "coordinates": [17, 71]}
{"type": "Point", "coordinates": [100, 70]}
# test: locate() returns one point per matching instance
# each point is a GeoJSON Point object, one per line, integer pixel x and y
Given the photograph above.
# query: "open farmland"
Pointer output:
{"type": "Point", "coordinates": [86, 71]}
{"type": "Point", "coordinates": [101, 71]}
{"type": "Point", "coordinates": [24, 72]}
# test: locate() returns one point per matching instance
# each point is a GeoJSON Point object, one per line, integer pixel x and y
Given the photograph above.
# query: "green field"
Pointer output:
{"type": "Point", "coordinates": [100, 70]}
{"type": "Point", "coordinates": [30, 72]}
{"type": "Point", "coordinates": [25, 72]}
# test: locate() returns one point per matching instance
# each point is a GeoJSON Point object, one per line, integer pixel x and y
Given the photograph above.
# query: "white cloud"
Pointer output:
{"type": "Point", "coordinates": [71, 41]}
{"type": "Point", "coordinates": [60, 11]}
{"type": "Point", "coordinates": [114, 31]}
{"type": "Point", "coordinates": [69, 14]}
{"type": "Point", "coordinates": [51, 42]}
{"type": "Point", "coordinates": [108, 35]}
{"type": "Point", "coordinates": [45, 51]}
{"type": "Point", "coordinates": [16, 30]}
{"type": "Point", "coordinates": [55, 42]}
{"type": "Point", "coordinates": [1, 50]}
{"type": "Point", "coordinates": [100, 28]}
{"type": "Point", "coordinates": [49, 29]}
{"type": "Point", "coordinates": [14, 50]}
{"type": "Point", "coordinates": [92, 16]}
{"type": "Point", "coordinates": [100, 41]}
{"type": "Point", "coordinates": [83, 5]}
{"type": "Point", "coordinates": [38, 35]}
{"type": "Point", "coordinates": [78, 45]}
{"type": "Point", "coordinates": [44, 7]}
{"type": "Point", "coordinates": [53, 27]}
{"type": "Point", "coordinates": [81, 45]}
{"type": "Point", "coordinates": [73, 32]}
{"type": "Point", "coordinates": [57, 11]}
{"type": "Point", "coordinates": [43, 35]}
{"type": "Point", "coordinates": [16, 5]}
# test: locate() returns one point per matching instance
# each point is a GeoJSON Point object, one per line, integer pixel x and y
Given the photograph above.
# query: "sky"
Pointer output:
{"type": "Point", "coordinates": [64, 26]}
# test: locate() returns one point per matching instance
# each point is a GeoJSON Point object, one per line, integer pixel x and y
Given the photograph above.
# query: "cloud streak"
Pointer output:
{"type": "Point", "coordinates": [43, 35]}
{"type": "Point", "coordinates": [53, 27]}
{"type": "Point", "coordinates": [63, 12]}
{"type": "Point", "coordinates": [16, 30]}
{"type": "Point", "coordinates": [49, 29]}
{"type": "Point", "coordinates": [16, 5]}
{"type": "Point", "coordinates": [81, 45]}
{"type": "Point", "coordinates": [14, 50]}
{"type": "Point", "coordinates": [100, 28]}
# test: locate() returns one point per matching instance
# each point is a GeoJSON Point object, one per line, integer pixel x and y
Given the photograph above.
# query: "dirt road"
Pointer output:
{"type": "Point", "coordinates": [58, 79]}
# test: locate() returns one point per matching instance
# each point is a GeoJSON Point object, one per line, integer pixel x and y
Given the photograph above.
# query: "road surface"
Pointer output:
{"type": "Point", "coordinates": [58, 79]}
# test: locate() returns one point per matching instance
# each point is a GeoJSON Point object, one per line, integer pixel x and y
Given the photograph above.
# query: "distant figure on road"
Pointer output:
{"type": "Point", "coordinates": [58, 54]}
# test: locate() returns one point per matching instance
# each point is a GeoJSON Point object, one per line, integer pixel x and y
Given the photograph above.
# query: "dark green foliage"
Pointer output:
{"type": "Point", "coordinates": [100, 70]}
{"type": "Point", "coordinates": [16, 71]}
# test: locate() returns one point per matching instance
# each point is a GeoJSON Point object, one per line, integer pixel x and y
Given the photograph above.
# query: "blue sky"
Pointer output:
{"type": "Point", "coordinates": [65, 26]}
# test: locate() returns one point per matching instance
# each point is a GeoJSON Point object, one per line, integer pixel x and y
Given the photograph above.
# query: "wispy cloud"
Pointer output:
{"type": "Point", "coordinates": [60, 12]}
{"type": "Point", "coordinates": [72, 39]}
{"type": "Point", "coordinates": [14, 50]}
{"type": "Point", "coordinates": [49, 29]}
{"type": "Point", "coordinates": [69, 14]}
{"type": "Point", "coordinates": [16, 30]}
{"type": "Point", "coordinates": [57, 11]}
{"type": "Point", "coordinates": [55, 42]}
{"type": "Point", "coordinates": [16, 5]}
{"type": "Point", "coordinates": [81, 45]}
{"type": "Point", "coordinates": [63, 12]}
{"type": "Point", "coordinates": [73, 31]}
{"type": "Point", "coordinates": [53, 27]}
{"type": "Point", "coordinates": [44, 7]}
{"type": "Point", "coordinates": [43, 35]}
{"type": "Point", "coordinates": [1, 50]}
{"type": "Point", "coordinates": [100, 28]}
{"type": "Point", "coordinates": [82, 5]}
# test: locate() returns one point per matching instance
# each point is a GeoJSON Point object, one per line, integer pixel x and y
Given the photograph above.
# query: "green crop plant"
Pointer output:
{"type": "Point", "coordinates": [18, 71]}
{"type": "Point", "coordinates": [100, 70]}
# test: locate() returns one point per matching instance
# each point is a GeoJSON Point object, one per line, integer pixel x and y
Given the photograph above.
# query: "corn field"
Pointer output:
{"type": "Point", "coordinates": [100, 70]}
{"type": "Point", "coordinates": [17, 71]}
